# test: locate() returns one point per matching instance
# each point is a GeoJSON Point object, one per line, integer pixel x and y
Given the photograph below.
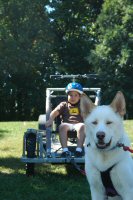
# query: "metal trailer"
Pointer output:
{"type": "Point", "coordinates": [43, 145]}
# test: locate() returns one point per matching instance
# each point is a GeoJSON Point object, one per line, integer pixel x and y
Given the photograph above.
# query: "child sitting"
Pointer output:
{"type": "Point", "coordinates": [71, 118]}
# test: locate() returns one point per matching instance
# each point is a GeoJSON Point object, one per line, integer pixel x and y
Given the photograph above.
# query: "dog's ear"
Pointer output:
{"type": "Point", "coordinates": [86, 105]}
{"type": "Point", "coordinates": [119, 104]}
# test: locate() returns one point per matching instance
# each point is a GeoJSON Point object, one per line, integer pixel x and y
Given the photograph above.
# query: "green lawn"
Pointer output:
{"type": "Point", "coordinates": [51, 181]}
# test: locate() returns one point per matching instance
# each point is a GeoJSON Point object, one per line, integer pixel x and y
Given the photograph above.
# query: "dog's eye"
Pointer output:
{"type": "Point", "coordinates": [94, 122]}
{"type": "Point", "coordinates": [108, 122]}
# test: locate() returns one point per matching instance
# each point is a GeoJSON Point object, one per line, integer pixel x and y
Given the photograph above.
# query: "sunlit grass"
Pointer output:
{"type": "Point", "coordinates": [128, 124]}
{"type": "Point", "coordinates": [13, 133]}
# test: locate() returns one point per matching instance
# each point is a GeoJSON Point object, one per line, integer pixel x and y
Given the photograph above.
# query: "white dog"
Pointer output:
{"type": "Point", "coordinates": [109, 168]}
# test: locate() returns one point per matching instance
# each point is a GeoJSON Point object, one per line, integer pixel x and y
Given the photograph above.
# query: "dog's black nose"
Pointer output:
{"type": "Point", "coordinates": [100, 135]}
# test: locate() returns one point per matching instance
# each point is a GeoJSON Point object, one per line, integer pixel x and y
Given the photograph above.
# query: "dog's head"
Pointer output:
{"type": "Point", "coordinates": [103, 124]}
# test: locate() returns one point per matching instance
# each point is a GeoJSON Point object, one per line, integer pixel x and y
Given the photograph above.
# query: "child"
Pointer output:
{"type": "Point", "coordinates": [71, 118]}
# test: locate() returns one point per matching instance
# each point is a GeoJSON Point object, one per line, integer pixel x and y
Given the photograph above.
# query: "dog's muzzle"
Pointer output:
{"type": "Point", "coordinates": [101, 144]}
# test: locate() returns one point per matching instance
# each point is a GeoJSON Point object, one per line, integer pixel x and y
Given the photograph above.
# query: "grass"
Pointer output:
{"type": "Point", "coordinates": [51, 181]}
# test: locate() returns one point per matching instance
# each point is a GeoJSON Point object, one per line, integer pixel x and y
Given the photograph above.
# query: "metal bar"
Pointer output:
{"type": "Point", "coordinates": [63, 89]}
{"type": "Point", "coordinates": [98, 97]}
{"type": "Point", "coordinates": [37, 145]}
{"type": "Point", "coordinates": [73, 76]}
{"type": "Point", "coordinates": [52, 160]}
{"type": "Point", "coordinates": [48, 110]}
{"type": "Point", "coordinates": [24, 144]}
{"type": "Point", "coordinates": [40, 144]}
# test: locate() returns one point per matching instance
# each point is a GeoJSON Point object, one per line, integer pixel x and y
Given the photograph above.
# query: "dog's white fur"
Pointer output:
{"type": "Point", "coordinates": [102, 154]}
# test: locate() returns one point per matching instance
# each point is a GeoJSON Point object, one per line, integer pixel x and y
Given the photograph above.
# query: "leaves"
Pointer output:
{"type": "Point", "coordinates": [40, 38]}
{"type": "Point", "coordinates": [112, 56]}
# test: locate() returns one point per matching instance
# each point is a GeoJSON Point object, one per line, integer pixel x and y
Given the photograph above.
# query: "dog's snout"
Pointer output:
{"type": "Point", "coordinates": [100, 135]}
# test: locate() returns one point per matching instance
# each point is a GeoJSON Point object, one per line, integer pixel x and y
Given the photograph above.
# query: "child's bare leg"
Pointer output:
{"type": "Point", "coordinates": [80, 134]}
{"type": "Point", "coordinates": [63, 129]}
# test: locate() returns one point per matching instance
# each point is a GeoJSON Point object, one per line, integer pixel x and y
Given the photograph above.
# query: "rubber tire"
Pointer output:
{"type": "Point", "coordinates": [31, 145]}
{"type": "Point", "coordinates": [30, 169]}
{"type": "Point", "coordinates": [30, 148]}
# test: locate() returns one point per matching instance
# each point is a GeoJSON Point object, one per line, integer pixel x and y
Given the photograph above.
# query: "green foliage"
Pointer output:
{"type": "Point", "coordinates": [25, 47]}
{"type": "Point", "coordinates": [72, 23]}
{"type": "Point", "coordinates": [40, 38]}
{"type": "Point", "coordinates": [113, 52]}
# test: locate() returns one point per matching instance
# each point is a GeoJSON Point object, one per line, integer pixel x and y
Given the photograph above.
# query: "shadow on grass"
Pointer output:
{"type": "Point", "coordinates": [3, 133]}
{"type": "Point", "coordinates": [50, 182]}
{"type": "Point", "coordinates": [16, 165]}
{"type": "Point", "coordinates": [11, 163]}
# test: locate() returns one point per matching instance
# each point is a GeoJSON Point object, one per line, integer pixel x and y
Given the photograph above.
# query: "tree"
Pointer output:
{"type": "Point", "coordinates": [72, 22]}
{"type": "Point", "coordinates": [113, 52]}
{"type": "Point", "coordinates": [39, 38]}
{"type": "Point", "coordinates": [25, 47]}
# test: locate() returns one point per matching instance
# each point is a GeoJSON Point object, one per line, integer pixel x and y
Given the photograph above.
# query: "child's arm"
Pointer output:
{"type": "Point", "coordinates": [53, 115]}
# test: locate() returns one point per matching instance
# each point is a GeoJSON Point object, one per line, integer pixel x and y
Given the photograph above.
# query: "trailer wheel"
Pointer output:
{"type": "Point", "coordinates": [30, 169]}
{"type": "Point", "coordinates": [31, 152]}
{"type": "Point", "coordinates": [31, 145]}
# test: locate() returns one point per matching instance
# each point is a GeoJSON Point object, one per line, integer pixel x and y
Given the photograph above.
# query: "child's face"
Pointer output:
{"type": "Point", "coordinates": [73, 97]}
